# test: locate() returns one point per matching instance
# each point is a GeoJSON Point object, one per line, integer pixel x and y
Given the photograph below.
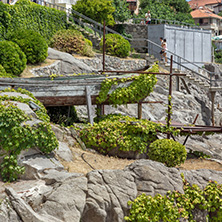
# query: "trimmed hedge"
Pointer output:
{"type": "Point", "coordinates": [32, 44]}
{"type": "Point", "coordinates": [28, 15]}
{"type": "Point", "coordinates": [12, 58]}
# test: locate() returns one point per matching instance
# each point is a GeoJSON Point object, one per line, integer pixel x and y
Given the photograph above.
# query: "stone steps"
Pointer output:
{"type": "Point", "coordinates": [192, 79]}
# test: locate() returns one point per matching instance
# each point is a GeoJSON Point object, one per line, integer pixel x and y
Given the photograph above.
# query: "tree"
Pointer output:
{"type": "Point", "coordinates": [178, 10]}
{"type": "Point", "coordinates": [98, 10]}
{"type": "Point", "coordinates": [121, 12]}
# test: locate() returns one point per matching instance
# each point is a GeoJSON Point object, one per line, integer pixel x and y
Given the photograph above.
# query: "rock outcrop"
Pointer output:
{"type": "Point", "coordinates": [101, 195]}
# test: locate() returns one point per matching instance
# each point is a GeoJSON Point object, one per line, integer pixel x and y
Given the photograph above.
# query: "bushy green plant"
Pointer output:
{"type": "Point", "coordinates": [32, 44]}
{"type": "Point", "coordinates": [117, 131]}
{"type": "Point", "coordinates": [167, 151]}
{"type": "Point", "coordinates": [17, 135]}
{"type": "Point", "coordinates": [71, 41]}
{"type": "Point", "coordinates": [12, 58]}
{"type": "Point", "coordinates": [176, 206]}
{"type": "Point", "coordinates": [116, 45]}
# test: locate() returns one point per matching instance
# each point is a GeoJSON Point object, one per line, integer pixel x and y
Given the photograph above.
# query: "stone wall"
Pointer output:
{"type": "Point", "coordinates": [114, 63]}
{"type": "Point", "coordinates": [111, 63]}
{"type": "Point", "coordinates": [138, 31]}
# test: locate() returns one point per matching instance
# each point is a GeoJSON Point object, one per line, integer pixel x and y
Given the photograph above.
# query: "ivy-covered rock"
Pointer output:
{"type": "Point", "coordinates": [116, 45]}
{"type": "Point", "coordinates": [32, 44]}
{"type": "Point", "coordinates": [21, 130]}
{"type": "Point", "coordinates": [12, 58]}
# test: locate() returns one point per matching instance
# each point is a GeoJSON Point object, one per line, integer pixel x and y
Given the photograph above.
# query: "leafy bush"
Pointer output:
{"type": "Point", "coordinates": [32, 44]}
{"type": "Point", "coordinates": [167, 151]}
{"type": "Point", "coordinates": [176, 206]}
{"type": "Point", "coordinates": [117, 131]}
{"type": "Point", "coordinates": [71, 41]}
{"type": "Point", "coordinates": [12, 58]}
{"type": "Point", "coordinates": [28, 15]}
{"type": "Point", "coordinates": [17, 135]}
{"type": "Point", "coordinates": [116, 45]}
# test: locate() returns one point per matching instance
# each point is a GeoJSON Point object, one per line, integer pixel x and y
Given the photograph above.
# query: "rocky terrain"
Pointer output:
{"type": "Point", "coordinates": [70, 185]}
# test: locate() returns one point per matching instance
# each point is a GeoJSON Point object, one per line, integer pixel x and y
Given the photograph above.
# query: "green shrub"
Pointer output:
{"type": "Point", "coordinates": [12, 58]}
{"type": "Point", "coordinates": [71, 41]}
{"type": "Point", "coordinates": [167, 151]}
{"type": "Point", "coordinates": [116, 45]}
{"type": "Point", "coordinates": [32, 44]}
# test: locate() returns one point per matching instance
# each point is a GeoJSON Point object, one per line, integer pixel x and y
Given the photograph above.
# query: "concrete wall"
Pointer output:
{"type": "Point", "coordinates": [191, 44]}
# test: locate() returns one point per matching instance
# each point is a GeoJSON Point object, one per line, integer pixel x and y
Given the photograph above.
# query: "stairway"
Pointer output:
{"type": "Point", "coordinates": [188, 78]}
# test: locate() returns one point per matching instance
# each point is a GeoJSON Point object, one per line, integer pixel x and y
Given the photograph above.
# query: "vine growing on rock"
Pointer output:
{"type": "Point", "coordinates": [18, 132]}
{"type": "Point", "coordinates": [175, 205]}
{"type": "Point", "coordinates": [141, 86]}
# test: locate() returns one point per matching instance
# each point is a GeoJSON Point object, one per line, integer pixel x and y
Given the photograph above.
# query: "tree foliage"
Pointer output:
{"type": "Point", "coordinates": [178, 10]}
{"type": "Point", "coordinates": [98, 10]}
{"type": "Point", "coordinates": [121, 12]}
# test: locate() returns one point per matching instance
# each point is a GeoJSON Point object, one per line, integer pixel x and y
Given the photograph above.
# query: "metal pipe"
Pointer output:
{"type": "Point", "coordinates": [104, 42]}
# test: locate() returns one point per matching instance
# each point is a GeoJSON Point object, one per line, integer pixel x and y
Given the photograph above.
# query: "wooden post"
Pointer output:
{"type": "Point", "coordinates": [89, 105]}
{"type": "Point", "coordinates": [170, 96]}
{"type": "Point", "coordinates": [139, 110]}
{"type": "Point", "coordinates": [212, 107]}
{"type": "Point", "coordinates": [177, 83]}
{"type": "Point", "coordinates": [104, 43]}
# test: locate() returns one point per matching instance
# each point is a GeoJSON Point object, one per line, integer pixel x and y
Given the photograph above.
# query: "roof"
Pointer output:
{"type": "Point", "coordinates": [198, 3]}
{"type": "Point", "coordinates": [204, 13]}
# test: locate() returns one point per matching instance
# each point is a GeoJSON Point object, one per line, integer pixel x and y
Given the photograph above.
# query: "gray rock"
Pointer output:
{"type": "Point", "coordinates": [35, 165]}
{"type": "Point", "coordinates": [25, 211]}
{"type": "Point", "coordinates": [16, 94]}
{"type": "Point", "coordinates": [64, 152]}
{"type": "Point", "coordinates": [59, 133]}
{"type": "Point", "coordinates": [67, 201]}
{"type": "Point", "coordinates": [7, 214]}
{"type": "Point", "coordinates": [69, 64]}
{"type": "Point", "coordinates": [108, 194]}
{"type": "Point", "coordinates": [53, 176]}
{"type": "Point", "coordinates": [155, 178]}
{"type": "Point", "coordinates": [202, 177]}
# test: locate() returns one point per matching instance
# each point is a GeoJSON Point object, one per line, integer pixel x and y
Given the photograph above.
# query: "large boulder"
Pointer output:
{"type": "Point", "coordinates": [69, 64]}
